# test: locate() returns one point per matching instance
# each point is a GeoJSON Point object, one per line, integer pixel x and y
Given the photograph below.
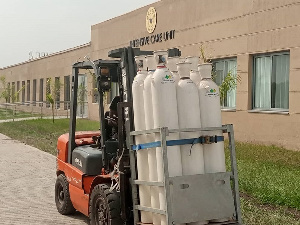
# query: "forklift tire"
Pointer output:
{"type": "Point", "coordinates": [104, 206]}
{"type": "Point", "coordinates": [62, 196]}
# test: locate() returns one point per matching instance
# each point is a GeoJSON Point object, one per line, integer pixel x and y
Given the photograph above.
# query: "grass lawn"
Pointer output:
{"type": "Point", "coordinates": [269, 173]}
{"type": "Point", "coordinates": [8, 114]}
{"type": "Point", "coordinates": [42, 133]}
{"type": "Point", "coordinates": [254, 213]}
{"type": "Point", "coordinates": [269, 176]}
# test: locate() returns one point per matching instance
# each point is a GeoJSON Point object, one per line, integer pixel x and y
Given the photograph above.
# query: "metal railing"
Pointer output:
{"type": "Point", "coordinates": [39, 109]}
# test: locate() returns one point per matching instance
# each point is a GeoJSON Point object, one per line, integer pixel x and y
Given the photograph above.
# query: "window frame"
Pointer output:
{"type": "Point", "coordinates": [269, 54]}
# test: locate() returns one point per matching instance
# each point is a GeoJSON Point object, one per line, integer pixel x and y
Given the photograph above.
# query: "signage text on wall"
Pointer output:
{"type": "Point", "coordinates": [152, 39]}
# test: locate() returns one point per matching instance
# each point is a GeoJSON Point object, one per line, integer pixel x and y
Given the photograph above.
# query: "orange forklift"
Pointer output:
{"type": "Point", "coordinates": [93, 168]}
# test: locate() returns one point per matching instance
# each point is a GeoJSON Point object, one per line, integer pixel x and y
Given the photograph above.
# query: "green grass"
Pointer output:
{"type": "Point", "coordinates": [253, 214]}
{"type": "Point", "coordinates": [269, 173]}
{"type": "Point", "coordinates": [8, 114]}
{"type": "Point", "coordinates": [42, 133]}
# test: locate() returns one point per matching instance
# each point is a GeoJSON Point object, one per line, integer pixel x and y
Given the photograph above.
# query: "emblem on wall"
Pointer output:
{"type": "Point", "coordinates": [151, 20]}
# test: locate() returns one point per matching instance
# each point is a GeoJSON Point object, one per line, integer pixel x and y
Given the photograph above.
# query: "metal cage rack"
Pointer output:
{"type": "Point", "coordinates": [193, 197]}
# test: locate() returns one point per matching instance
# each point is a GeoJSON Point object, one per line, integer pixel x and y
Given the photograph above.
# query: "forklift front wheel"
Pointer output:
{"type": "Point", "coordinates": [104, 207]}
{"type": "Point", "coordinates": [62, 196]}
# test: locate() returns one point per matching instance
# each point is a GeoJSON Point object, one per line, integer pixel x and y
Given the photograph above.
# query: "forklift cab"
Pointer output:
{"type": "Point", "coordinates": [90, 159]}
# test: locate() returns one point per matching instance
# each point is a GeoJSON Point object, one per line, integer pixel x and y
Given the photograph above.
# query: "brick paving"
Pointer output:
{"type": "Point", "coordinates": [27, 179]}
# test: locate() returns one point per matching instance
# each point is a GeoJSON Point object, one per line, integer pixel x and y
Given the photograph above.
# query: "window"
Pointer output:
{"type": "Point", "coordinates": [67, 92]}
{"type": "Point", "coordinates": [114, 90]}
{"type": "Point", "coordinates": [57, 92]}
{"type": "Point", "coordinates": [28, 92]}
{"type": "Point", "coordinates": [271, 81]}
{"type": "Point", "coordinates": [13, 92]}
{"type": "Point", "coordinates": [8, 92]}
{"type": "Point", "coordinates": [34, 92]}
{"type": "Point", "coordinates": [41, 97]}
{"type": "Point", "coordinates": [23, 91]}
{"type": "Point", "coordinates": [95, 89]}
{"type": "Point", "coordinates": [18, 91]}
{"type": "Point", "coordinates": [48, 91]}
{"type": "Point", "coordinates": [221, 68]}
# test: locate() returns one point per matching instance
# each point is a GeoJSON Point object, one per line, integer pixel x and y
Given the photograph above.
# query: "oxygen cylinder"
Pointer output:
{"type": "Point", "coordinates": [171, 65]}
{"type": "Point", "coordinates": [210, 109]}
{"type": "Point", "coordinates": [140, 124]}
{"type": "Point", "coordinates": [165, 114]}
{"type": "Point", "coordinates": [150, 137]}
{"type": "Point", "coordinates": [194, 74]}
{"type": "Point", "coordinates": [189, 117]}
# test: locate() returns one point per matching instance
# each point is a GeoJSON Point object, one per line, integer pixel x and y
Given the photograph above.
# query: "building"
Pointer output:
{"type": "Point", "coordinates": [256, 39]}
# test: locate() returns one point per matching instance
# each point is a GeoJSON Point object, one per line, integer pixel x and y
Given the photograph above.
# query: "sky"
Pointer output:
{"type": "Point", "coordinates": [36, 26]}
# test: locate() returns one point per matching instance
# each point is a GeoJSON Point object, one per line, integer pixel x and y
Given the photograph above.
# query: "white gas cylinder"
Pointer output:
{"type": "Point", "coordinates": [210, 109]}
{"type": "Point", "coordinates": [165, 115]}
{"type": "Point", "coordinates": [140, 124]}
{"type": "Point", "coordinates": [171, 65]}
{"type": "Point", "coordinates": [150, 137]}
{"type": "Point", "coordinates": [189, 117]}
{"type": "Point", "coordinates": [194, 74]}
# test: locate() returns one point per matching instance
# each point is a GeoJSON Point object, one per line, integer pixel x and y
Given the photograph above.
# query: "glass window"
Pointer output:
{"type": "Point", "coordinates": [13, 92]}
{"type": "Point", "coordinates": [271, 81]}
{"type": "Point", "coordinates": [48, 91]}
{"type": "Point", "coordinates": [18, 91]}
{"type": "Point", "coordinates": [67, 92]}
{"type": "Point", "coordinates": [28, 91]}
{"type": "Point", "coordinates": [8, 92]}
{"type": "Point", "coordinates": [95, 89]}
{"type": "Point", "coordinates": [41, 97]}
{"type": "Point", "coordinates": [222, 68]}
{"type": "Point", "coordinates": [57, 92]}
{"type": "Point", "coordinates": [23, 91]}
{"type": "Point", "coordinates": [34, 92]}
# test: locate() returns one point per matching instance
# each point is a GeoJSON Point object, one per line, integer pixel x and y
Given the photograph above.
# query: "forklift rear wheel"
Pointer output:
{"type": "Point", "coordinates": [62, 196]}
{"type": "Point", "coordinates": [104, 206]}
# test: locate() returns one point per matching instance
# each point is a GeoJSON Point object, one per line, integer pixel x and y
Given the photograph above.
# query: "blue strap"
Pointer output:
{"type": "Point", "coordinates": [192, 141]}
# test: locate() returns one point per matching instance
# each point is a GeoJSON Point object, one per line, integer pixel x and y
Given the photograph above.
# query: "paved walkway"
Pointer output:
{"type": "Point", "coordinates": [27, 178]}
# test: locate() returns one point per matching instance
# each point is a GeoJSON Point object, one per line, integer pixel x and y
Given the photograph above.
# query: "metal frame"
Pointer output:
{"type": "Point", "coordinates": [164, 132]}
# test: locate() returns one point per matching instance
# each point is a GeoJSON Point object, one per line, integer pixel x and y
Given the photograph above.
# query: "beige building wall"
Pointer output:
{"type": "Point", "coordinates": [227, 28]}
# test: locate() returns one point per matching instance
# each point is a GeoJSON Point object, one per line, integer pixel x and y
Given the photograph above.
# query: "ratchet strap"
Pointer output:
{"type": "Point", "coordinates": [192, 141]}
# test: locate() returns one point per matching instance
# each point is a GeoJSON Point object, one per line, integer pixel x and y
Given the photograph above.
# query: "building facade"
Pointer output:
{"type": "Point", "coordinates": [255, 40]}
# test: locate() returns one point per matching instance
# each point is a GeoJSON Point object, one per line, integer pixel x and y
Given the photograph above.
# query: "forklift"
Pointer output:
{"type": "Point", "coordinates": [96, 171]}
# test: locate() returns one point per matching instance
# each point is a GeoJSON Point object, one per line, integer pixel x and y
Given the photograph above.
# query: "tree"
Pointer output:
{"type": "Point", "coordinates": [229, 83]}
{"type": "Point", "coordinates": [52, 93]}
{"type": "Point", "coordinates": [5, 90]}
